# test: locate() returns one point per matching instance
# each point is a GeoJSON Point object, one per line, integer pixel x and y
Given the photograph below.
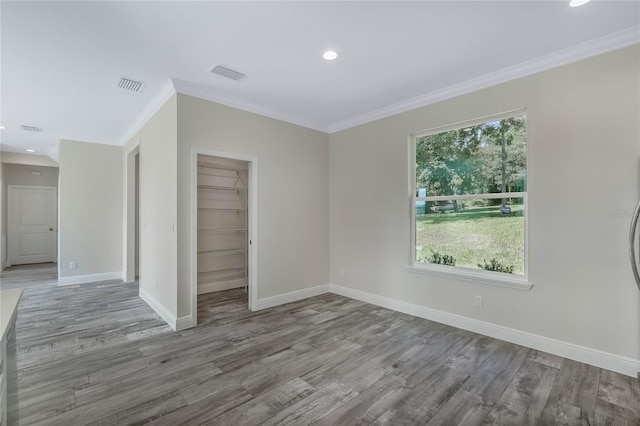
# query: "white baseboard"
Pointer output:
{"type": "Point", "coordinates": [92, 278]}
{"type": "Point", "coordinates": [227, 285]}
{"type": "Point", "coordinates": [5, 264]}
{"type": "Point", "coordinates": [183, 323]}
{"type": "Point", "coordinates": [608, 361]}
{"type": "Point", "coordinates": [159, 308]}
{"type": "Point", "coordinates": [294, 296]}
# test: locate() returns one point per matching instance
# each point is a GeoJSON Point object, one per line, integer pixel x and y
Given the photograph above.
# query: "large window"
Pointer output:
{"type": "Point", "coordinates": [470, 198]}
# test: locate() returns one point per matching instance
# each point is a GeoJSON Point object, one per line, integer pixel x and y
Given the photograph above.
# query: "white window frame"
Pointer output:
{"type": "Point", "coordinates": [520, 282]}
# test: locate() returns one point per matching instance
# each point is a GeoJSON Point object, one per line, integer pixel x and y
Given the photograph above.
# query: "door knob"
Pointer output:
{"type": "Point", "coordinates": [50, 229]}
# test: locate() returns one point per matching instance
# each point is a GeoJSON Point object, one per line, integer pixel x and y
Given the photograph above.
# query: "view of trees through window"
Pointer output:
{"type": "Point", "coordinates": [470, 196]}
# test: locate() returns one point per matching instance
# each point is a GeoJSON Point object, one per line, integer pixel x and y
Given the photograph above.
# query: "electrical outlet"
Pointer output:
{"type": "Point", "coordinates": [73, 264]}
{"type": "Point", "coordinates": [477, 301]}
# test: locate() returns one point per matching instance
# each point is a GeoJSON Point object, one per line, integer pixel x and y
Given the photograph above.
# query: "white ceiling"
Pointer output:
{"type": "Point", "coordinates": [61, 60]}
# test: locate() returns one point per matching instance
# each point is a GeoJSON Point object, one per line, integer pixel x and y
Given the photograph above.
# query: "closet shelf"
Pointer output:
{"type": "Point", "coordinates": [222, 208]}
{"type": "Point", "coordinates": [222, 231]}
{"type": "Point", "coordinates": [223, 188]}
{"type": "Point", "coordinates": [226, 252]}
{"type": "Point", "coordinates": [222, 273]}
{"type": "Point", "coordinates": [221, 166]}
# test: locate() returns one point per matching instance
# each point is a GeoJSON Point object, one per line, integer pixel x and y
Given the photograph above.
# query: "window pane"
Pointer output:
{"type": "Point", "coordinates": [486, 158]}
{"type": "Point", "coordinates": [477, 234]}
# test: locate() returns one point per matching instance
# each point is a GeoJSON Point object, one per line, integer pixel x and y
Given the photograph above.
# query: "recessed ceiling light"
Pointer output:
{"type": "Point", "coordinates": [329, 55]}
{"type": "Point", "coordinates": [2, 127]}
{"type": "Point", "coordinates": [31, 150]}
{"type": "Point", "coordinates": [576, 3]}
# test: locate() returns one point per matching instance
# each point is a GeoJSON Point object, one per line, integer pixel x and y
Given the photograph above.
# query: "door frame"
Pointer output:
{"type": "Point", "coordinates": [11, 219]}
{"type": "Point", "coordinates": [252, 225]}
{"type": "Point", "coordinates": [129, 252]}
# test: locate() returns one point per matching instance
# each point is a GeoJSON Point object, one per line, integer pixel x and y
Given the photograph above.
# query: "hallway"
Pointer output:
{"type": "Point", "coordinates": [36, 275]}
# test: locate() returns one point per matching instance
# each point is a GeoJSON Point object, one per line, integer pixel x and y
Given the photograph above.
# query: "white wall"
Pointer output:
{"type": "Point", "coordinates": [3, 217]}
{"type": "Point", "coordinates": [90, 218]}
{"type": "Point", "coordinates": [136, 217]}
{"type": "Point", "coordinates": [20, 174]}
{"type": "Point", "coordinates": [158, 193]}
{"type": "Point", "coordinates": [28, 159]}
{"type": "Point", "coordinates": [293, 204]}
{"type": "Point", "coordinates": [583, 151]}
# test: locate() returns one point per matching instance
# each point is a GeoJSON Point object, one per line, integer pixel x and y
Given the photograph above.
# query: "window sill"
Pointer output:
{"type": "Point", "coordinates": [482, 277]}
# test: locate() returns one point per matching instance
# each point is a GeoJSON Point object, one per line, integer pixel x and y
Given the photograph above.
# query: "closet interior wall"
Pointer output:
{"type": "Point", "coordinates": [222, 223]}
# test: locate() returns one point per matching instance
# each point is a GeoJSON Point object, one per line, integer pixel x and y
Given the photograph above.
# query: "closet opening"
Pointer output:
{"type": "Point", "coordinates": [225, 220]}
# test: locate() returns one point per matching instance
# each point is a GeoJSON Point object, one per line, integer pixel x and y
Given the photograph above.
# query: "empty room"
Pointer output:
{"type": "Point", "coordinates": [368, 212]}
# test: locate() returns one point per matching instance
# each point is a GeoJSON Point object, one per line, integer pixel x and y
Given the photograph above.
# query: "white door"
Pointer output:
{"type": "Point", "coordinates": [32, 224]}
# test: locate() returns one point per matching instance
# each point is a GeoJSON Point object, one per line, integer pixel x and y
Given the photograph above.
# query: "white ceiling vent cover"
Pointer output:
{"type": "Point", "coordinates": [31, 128]}
{"type": "Point", "coordinates": [130, 85]}
{"type": "Point", "coordinates": [226, 72]}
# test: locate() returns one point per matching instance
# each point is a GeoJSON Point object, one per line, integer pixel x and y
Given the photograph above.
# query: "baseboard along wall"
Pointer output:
{"type": "Point", "coordinates": [608, 361]}
{"type": "Point", "coordinates": [92, 278]}
{"type": "Point", "coordinates": [177, 324]}
{"type": "Point", "coordinates": [601, 359]}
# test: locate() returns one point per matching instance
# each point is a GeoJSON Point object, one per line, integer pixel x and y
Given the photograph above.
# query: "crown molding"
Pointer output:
{"type": "Point", "coordinates": [165, 93]}
{"type": "Point", "coordinates": [210, 94]}
{"type": "Point", "coordinates": [611, 42]}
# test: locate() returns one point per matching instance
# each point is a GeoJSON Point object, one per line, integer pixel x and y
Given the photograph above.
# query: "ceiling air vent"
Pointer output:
{"type": "Point", "coordinates": [130, 85]}
{"type": "Point", "coordinates": [226, 72]}
{"type": "Point", "coordinates": [31, 128]}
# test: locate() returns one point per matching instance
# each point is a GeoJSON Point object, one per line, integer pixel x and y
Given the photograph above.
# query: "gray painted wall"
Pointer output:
{"type": "Point", "coordinates": [90, 198]}
{"type": "Point", "coordinates": [583, 150]}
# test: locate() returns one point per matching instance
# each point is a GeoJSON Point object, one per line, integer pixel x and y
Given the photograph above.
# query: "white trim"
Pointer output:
{"type": "Point", "coordinates": [611, 42]}
{"type": "Point", "coordinates": [226, 285]}
{"type": "Point", "coordinates": [486, 277]}
{"type": "Point", "coordinates": [294, 296]}
{"type": "Point", "coordinates": [185, 322]}
{"type": "Point", "coordinates": [614, 41]}
{"type": "Point", "coordinates": [210, 94]}
{"type": "Point", "coordinates": [471, 123]}
{"type": "Point", "coordinates": [91, 278]}
{"type": "Point", "coordinates": [518, 282]}
{"type": "Point", "coordinates": [491, 196]}
{"type": "Point", "coordinates": [5, 264]}
{"type": "Point", "coordinates": [157, 102]}
{"type": "Point", "coordinates": [252, 222]}
{"type": "Point", "coordinates": [606, 360]}
{"type": "Point", "coordinates": [129, 214]}
{"type": "Point", "coordinates": [164, 313]}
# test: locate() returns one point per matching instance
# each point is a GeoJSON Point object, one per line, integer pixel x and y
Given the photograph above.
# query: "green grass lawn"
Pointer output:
{"type": "Point", "coordinates": [473, 235]}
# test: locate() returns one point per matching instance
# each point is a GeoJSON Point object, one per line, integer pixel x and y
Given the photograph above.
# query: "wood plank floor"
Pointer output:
{"type": "Point", "coordinates": [97, 354]}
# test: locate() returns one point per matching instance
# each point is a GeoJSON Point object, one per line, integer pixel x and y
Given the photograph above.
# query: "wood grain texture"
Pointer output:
{"type": "Point", "coordinates": [97, 354]}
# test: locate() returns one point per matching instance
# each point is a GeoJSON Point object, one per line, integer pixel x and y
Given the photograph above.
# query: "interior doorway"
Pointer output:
{"type": "Point", "coordinates": [131, 255]}
{"type": "Point", "coordinates": [224, 249]}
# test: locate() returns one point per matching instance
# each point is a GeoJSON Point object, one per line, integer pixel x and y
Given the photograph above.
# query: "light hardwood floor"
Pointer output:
{"type": "Point", "coordinates": [97, 354]}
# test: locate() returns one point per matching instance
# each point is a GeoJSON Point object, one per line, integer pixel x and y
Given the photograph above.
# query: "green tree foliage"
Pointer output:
{"type": "Point", "coordinates": [486, 158]}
